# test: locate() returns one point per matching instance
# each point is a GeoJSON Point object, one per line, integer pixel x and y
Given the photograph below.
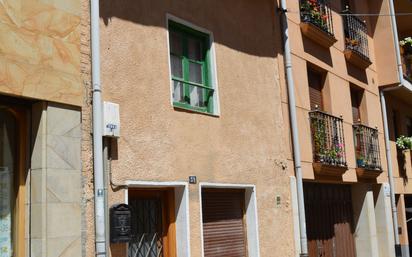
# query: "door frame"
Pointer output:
{"type": "Point", "coordinates": [182, 213]}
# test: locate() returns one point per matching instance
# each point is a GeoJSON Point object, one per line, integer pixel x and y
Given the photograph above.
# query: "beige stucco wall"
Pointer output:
{"type": "Point", "coordinates": [244, 145]}
{"type": "Point", "coordinates": [336, 91]}
{"type": "Point", "coordinates": [40, 49]}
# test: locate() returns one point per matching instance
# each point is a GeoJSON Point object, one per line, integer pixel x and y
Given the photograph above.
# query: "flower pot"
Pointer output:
{"type": "Point", "coordinates": [360, 163]}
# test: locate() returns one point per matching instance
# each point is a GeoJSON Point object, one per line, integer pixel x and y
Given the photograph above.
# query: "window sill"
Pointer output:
{"type": "Point", "coordinates": [328, 169]}
{"type": "Point", "coordinates": [182, 107]}
{"type": "Point", "coordinates": [316, 34]}
{"type": "Point", "coordinates": [356, 59]}
{"type": "Point", "coordinates": [368, 173]}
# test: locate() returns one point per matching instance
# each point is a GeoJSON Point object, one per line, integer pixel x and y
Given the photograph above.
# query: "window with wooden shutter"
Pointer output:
{"type": "Point", "coordinates": [315, 80]}
{"type": "Point", "coordinates": [224, 232]}
{"type": "Point", "coordinates": [356, 96]}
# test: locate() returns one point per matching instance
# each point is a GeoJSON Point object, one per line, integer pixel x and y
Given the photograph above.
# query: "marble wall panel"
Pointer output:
{"type": "Point", "coordinates": [55, 219]}
{"type": "Point", "coordinates": [40, 49]}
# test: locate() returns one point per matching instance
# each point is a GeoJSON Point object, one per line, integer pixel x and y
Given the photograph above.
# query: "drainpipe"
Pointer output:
{"type": "Point", "coordinates": [99, 195]}
{"type": "Point", "coordinates": [295, 131]}
{"type": "Point", "coordinates": [398, 250]}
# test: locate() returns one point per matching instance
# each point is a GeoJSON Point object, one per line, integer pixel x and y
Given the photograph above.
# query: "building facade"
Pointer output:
{"type": "Point", "coordinates": [41, 94]}
{"type": "Point", "coordinates": [200, 158]}
{"type": "Point", "coordinates": [399, 112]}
{"type": "Point", "coordinates": [339, 69]}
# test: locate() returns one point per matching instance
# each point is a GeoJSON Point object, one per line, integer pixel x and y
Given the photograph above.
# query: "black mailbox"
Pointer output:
{"type": "Point", "coordinates": [120, 223]}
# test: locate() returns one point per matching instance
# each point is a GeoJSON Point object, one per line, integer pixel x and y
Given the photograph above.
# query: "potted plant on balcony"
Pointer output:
{"type": "Point", "coordinates": [404, 143]}
{"type": "Point", "coordinates": [406, 51]}
{"type": "Point", "coordinates": [351, 43]}
{"type": "Point", "coordinates": [335, 154]}
{"type": "Point", "coordinates": [319, 139]}
{"type": "Point", "coordinates": [311, 12]}
{"type": "Point", "coordinates": [406, 45]}
{"type": "Point", "coordinates": [360, 161]}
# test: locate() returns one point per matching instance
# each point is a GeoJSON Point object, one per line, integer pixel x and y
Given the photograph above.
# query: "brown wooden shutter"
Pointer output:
{"type": "Point", "coordinates": [329, 220]}
{"type": "Point", "coordinates": [315, 89]}
{"type": "Point", "coordinates": [223, 226]}
{"type": "Point", "coordinates": [355, 98]}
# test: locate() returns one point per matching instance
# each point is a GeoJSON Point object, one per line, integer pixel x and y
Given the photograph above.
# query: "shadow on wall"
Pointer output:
{"type": "Point", "coordinates": [249, 26]}
{"type": "Point", "coordinates": [314, 49]}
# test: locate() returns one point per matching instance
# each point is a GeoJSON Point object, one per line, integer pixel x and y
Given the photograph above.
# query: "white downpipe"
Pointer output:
{"type": "Point", "coordinates": [99, 195]}
{"type": "Point", "coordinates": [396, 41]}
{"type": "Point", "coordinates": [390, 176]}
{"type": "Point", "coordinates": [398, 251]}
{"type": "Point", "coordinates": [295, 132]}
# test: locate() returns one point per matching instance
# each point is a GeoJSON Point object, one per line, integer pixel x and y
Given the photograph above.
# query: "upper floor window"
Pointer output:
{"type": "Point", "coordinates": [356, 99]}
{"type": "Point", "coordinates": [191, 68]}
{"type": "Point", "coordinates": [316, 81]}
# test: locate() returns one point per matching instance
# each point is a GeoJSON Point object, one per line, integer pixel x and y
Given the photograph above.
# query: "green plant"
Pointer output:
{"type": "Point", "coordinates": [319, 138]}
{"type": "Point", "coordinates": [406, 41]}
{"type": "Point", "coordinates": [406, 45]}
{"type": "Point", "coordinates": [312, 11]}
{"type": "Point", "coordinates": [352, 43]}
{"type": "Point", "coordinates": [404, 143]}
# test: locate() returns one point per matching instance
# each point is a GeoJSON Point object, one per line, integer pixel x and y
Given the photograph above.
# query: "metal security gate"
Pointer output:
{"type": "Point", "coordinates": [147, 228]}
{"type": "Point", "coordinates": [152, 223]}
{"type": "Point", "coordinates": [329, 220]}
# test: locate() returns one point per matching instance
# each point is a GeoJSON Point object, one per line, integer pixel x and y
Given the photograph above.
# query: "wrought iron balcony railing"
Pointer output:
{"type": "Point", "coordinates": [318, 13]}
{"type": "Point", "coordinates": [367, 147]}
{"type": "Point", "coordinates": [356, 34]}
{"type": "Point", "coordinates": [327, 139]}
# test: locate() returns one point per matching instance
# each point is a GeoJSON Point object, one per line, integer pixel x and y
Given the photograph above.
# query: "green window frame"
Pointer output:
{"type": "Point", "coordinates": [190, 68]}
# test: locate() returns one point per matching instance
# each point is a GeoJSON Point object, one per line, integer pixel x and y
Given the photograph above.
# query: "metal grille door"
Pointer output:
{"type": "Point", "coordinates": [147, 228]}
{"type": "Point", "coordinates": [329, 220]}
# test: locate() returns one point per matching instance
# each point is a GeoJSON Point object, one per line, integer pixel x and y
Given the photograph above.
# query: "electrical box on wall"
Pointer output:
{"type": "Point", "coordinates": [111, 120]}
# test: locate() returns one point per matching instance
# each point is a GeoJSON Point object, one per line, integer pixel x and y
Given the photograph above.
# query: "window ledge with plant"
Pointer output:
{"type": "Point", "coordinates": [406, 52]}
{"type": "Point", "coordinates": [316, 22]}
{"type": "Point", "coordinates": [404, 143]}
{"type": "Point", "coordinates": [328, 143]}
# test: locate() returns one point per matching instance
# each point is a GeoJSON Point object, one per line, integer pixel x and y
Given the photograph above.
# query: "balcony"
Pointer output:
{"type": "Point", "coordinates": [368, 161]}
{"type": "Point", "coordinates": [356, 40]}
{"type": "Point", "coordinates": [406, 53]}
{"type": "Point", "coordinates": [316, 21]}
{"type": "Point", "coordinates": [328, 144]}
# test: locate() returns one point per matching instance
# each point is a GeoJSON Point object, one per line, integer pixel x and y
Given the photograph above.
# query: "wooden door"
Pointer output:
{"type": "Point", "coordinates": [329, 220]}
{"type": "Point", "coordinates": [224, 232]}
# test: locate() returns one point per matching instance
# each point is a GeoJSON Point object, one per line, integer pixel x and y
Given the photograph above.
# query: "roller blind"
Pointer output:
{"type": "Point", "coordinates": [223, 225]}
{"type": "Point", "coordinates": [315, 89]}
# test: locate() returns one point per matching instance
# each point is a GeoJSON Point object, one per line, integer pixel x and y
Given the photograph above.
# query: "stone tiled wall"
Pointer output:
{"type": "Point", "coordinates": [55, 181]}
{"type": "Point", "coordinates": [40, 49]}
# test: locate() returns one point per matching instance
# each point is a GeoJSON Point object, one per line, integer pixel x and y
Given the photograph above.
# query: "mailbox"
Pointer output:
{"type": "Point", "coordinates": [120, 223]}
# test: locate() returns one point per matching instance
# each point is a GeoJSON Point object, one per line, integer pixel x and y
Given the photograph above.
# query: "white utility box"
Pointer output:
{"type": "Point", "coordinates": [111, 120]}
